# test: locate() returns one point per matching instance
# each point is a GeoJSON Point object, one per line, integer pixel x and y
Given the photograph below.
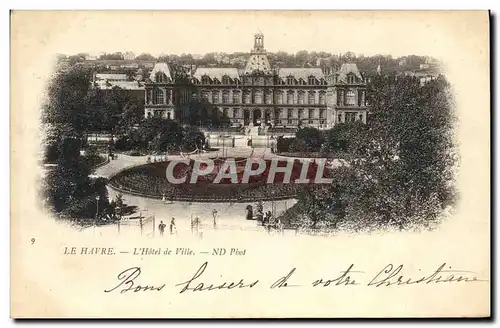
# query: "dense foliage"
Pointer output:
{"type": "Point", "coordinates": [400, 168]}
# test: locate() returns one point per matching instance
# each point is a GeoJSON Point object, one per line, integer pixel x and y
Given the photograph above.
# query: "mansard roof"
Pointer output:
{"type": "Point", "coordinates": [346, 69]}
{"type": "Point", "coordinates": [216, 72]}
{"type": "Point", "coordinates": [301, 73]}
{"type": "Point", "coordinates": [160, 67]}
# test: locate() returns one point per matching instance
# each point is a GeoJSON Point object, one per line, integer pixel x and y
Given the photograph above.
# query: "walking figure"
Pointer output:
{"type": "Point", "coordinates": [172, 226]}
{"type": "Point", "coordinates": [161, 227]}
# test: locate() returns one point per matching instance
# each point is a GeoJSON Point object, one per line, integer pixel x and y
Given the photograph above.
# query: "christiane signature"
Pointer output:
{"type": "Point", "coordinates": [391, 275]}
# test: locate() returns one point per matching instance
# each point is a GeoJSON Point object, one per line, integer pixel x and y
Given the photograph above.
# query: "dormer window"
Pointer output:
{"type": "Point", "coordinates": [351, 78]}
{"type": "Point", "coordinates": [216, 81]}
{"type": "Point", "coordinates": [301, 81]}
{"type": "Point", "coordinates": [312, 80]}
{"type": "Point", "coordinates": [226, 80]}
{"type": "Point", "coordinates": [205, 79]}
{"type": "Point", "coordinates": [290, 80]}
{"type": "Point", "coordinates": [160, 77]}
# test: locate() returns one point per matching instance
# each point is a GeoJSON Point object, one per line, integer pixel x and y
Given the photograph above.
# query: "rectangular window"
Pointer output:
{"type": "Point", "coordinates": [350, 117]}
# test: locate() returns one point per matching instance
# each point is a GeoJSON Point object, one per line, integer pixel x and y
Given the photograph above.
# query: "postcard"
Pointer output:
{"type": "Point", "coordinates": [250, 164]}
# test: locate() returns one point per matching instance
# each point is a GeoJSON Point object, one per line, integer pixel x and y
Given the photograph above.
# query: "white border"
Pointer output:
{"type": "Point", "coordinates": [200, 4]}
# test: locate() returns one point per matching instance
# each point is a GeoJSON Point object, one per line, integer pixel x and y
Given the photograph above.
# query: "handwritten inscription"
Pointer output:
{"type": "Point", "coordinates": [391, 275]}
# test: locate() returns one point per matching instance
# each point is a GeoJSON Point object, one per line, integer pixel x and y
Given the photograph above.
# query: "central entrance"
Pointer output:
{"type": "Point", "coordinates": [257, 115]}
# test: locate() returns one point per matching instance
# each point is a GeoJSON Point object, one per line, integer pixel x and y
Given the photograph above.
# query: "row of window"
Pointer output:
{"type": "Point", "coordinates": [290, 80]}
{"type": "Point", "coordinates": [349, 98]}
{"type": "Point", "coordinates": [261, 80]}
{"type": "Point", "coordinates": [350, 117]}
{"type": "Point", "coordinates": [259, 97]}
{"type": "Point", "coordinates": [278, 113]}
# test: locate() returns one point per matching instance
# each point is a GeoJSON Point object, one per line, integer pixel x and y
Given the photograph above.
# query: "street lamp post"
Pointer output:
{"type": "Point", "coordinates": [97, 198]}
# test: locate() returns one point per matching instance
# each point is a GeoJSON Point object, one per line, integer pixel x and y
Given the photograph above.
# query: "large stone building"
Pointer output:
{"type": "Point", "coordinates": [261, 94]}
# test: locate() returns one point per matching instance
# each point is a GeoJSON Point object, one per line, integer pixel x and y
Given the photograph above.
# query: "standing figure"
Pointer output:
{"type": "Point", "coordinates": [172, 226]}
{"type": "Point", "coordinates": [161, 227]}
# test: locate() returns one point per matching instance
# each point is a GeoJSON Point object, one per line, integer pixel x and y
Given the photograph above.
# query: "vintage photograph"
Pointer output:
{"type": "Point", "coordinates": [246, 137]}
{"type": "Point", "coordinates": [243, 154]}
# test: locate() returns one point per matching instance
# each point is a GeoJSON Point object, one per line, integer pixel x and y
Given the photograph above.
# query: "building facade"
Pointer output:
{"type": "Point", "coordinates": [260, 94]}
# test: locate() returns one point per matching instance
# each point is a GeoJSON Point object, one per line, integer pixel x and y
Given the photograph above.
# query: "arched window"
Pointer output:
{"type": "Point", "coordinates": [290, 80]}
{"type": "Point", "coordinates": [311, 115]}
{"type": "Point", "coordinates": [236, 97]}
{"type": "Point", "coordinates": [224, 112]}
{"type": "Point", "coordinates": [169, 117]}
{"type": "Point", "coordinates": [226, 79]}
{"type": "Point", "coordinates": [160, 77]}
{"type": "Point", "coordinates": [351, 78]}
{"type": "Point", "coordinates": [225, 97]}
{"type": "Point", "coordinates": [322, 98]}
{"type": "Point", "coordinates": [289, 115]}
{"type": "Point", "coordinates": [289, 97]}
{"type": "Point", "coordinates": [247, 97]}
{"type": "Point", "coordinates": [350, 117]}
{"type": "Point", "coordinates": [350, 98]}
{"type": "Point", "coordinates": [301, 113]}
{"type": "Point", "coordinates": [339, 118]}
{"type": "Point", "coordinates": [312, 80]}
{"type": "Point", "coordinates": [279, 97]}
{"type": "Point", "coordinates": [235, 113]}
{"type": "Point", "coordinates": [269, 97]}
{"type": "Point", "coordinates": [300, 97]}
{"type": "Point", "coordinates": [205, 79]}
{"type": "Point", "coordinates": [215, 96]}
{"type": "Point", "coordinates": [277, 116]}
{"type": "Point", "coordinates": [159, 97]}
{"type": "Point", "coordinates": [311, 99]}
{"type": "Point", "coordinates": [258, 97]}
{"type": "Point", "coordinates": [322, 116]}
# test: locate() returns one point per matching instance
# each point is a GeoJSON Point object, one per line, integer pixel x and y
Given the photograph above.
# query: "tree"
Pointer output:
{"type": "Point", "coordinates": [339, 138]}
{"type": "Point", "coordinates": [145, 56]}
{"type": "Point", "coordinates": [301, 57]}
{"type": "Point", "coordinates": [133, 113]}
{"type": "Point", "coordinates": [66, 101]}
{"type": "Point", "coordinates": [114, 56]}
{"type": "Point", "coordinates": [400, 168]}
{"type": "Point", "coordinates": [312, 138]}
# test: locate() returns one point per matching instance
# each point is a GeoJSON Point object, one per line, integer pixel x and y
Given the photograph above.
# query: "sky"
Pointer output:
{"type": "Point", "coordinates": [176, 32]}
